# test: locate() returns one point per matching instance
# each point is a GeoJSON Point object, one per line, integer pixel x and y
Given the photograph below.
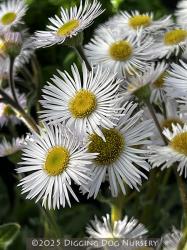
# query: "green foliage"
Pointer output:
{"type": "Point", "coordinates": [8, 232]}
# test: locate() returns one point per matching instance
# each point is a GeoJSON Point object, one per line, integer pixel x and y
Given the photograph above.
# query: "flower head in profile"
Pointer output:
{"type": "Point", "coordinates": [120, 229]}
{"type": "Point", "coordinates": [153, 77]}
{"type": "Point", "coordinates": [171, 240]}
{"type": "Point", "coordinates": [118, 51]}
{"type": "Point", "coordinates": [53, 160]}
{"type": "Point", "coordinates": [7, 114]}
{"type": "Point", "coordinates": [174, 152]}
{"type": "Point", "coordinates": [121, 160]}
{"type": "Point", "coordinates": [8, 148]}
{"type": "Point", "coordinates": [134, 21]}
{"type": "Point", "coordinates": [11, 13]}
{"type": "Point", "coordinates": [170, 42]}
{"type": "Point", "coordinates": [84, 103]}
{"type": "Point", "coordinates": [69, 24]}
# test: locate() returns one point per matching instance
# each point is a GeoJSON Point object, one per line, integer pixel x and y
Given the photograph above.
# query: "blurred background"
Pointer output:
{"type": "Point", "coordinates": [157, 206]}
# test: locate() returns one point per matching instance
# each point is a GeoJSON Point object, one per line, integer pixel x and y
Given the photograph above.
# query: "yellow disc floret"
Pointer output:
{"type": "Point", "coordinates": [139, 21]}
{"type": "Point", "coordinates": [121, 50]}
{"type": "Point", "coordinates": [56, 161]}
{"type": "Point", "coordinates": [82, 104]}
{"type": "Point", "coordinates": [159, 83]}
{"type": "Point", "coordinates": [8, 111]}
{"type": "Point", "coordinates": [174, 37]}
{"type": "Point", "coordinates": [168, 123]}
{"type": "Point", "coordinates": [109, 150]}
{"type": "Point", "coordinates": [8, 18]}
{"type": "Point", "coordinates": [179, 143]}
{"type": "Point", "coordinates": [68, 27]}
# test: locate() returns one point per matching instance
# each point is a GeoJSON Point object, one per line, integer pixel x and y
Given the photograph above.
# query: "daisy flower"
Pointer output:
{"type": "Point", "coordinates": [8, 148]}
{"type": "Point", "coordinates": [171, 240]}
{"type": "Point", "coordinates": [120, 229]}
{"type": "Point", "coordinates": [176, 80]}
{"type": "Point", "coordinates": [118, 51]}
{"type": "Point", "coordinates": [121, 157]}
{"type": "Point", "coordinates": [134, 21]}
{"type": "Point", "coordinates": [7, 114]}
{"type": "Point", "coordinates": [181, 12]}
{"type": "Point", "coordinates": [11, 13]}
{"type": "Point", "coordinates": [69, 24]}
{"type": "Point", "coordinates": [174, 152]}
{"type": "Point", "coordinates": [154, 77]}
{"type": "Point", "coordinates": [53, 160]}
{"type": "Point", "coordinates": [169, 43]}
{"type": "Point", "coordinates": [84, 104]}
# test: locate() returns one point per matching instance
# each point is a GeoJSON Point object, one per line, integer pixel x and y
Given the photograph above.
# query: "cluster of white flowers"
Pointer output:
{"type": "Point", "coordinates": [111, 120]}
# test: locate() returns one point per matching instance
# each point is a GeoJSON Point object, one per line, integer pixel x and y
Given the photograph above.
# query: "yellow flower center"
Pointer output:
{"type": "Point", "coordinates": [8, 110]}
{"type": "Point", "coordinates": [168, 123]}
{"type": "Point", "coordinates": [109, 150]}
{"type": "Point", "coordinates": [68, 27]}
{"type": "Point", "coordinates": [8, 18]}
{"type": "Point", "coordinates": [174, 37]}
{"type": "Point", "coordinates": [121, 50]}
{"type": "Point", "coordinates": [179, 143]}
{"type": "Point", "coordinates": [139, 21]}
{"type": "Point", "coordinates": [159, 83]}
{"type": "Point", "coordinates": [56, 160]}
{"type": "Point", "coordinates": [82, 104]}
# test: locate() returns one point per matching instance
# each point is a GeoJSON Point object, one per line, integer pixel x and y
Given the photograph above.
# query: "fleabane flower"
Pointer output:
{"type": "Point", "coordinates": [126, 228]}
{"type": "Point", "coordinates": [134, 21]}
{"type": "Point", "coordinates": [53, 160]}
{"type": "Point", "coordinates": [121, 159]}
{"type": "Point", "coordinates": [11, 13]}
{"type": "Point", "coordinates": [7, 148]}
{"type": "Point", "coordinates": [171, 240]}
{"type": "Point", "coordinates": [118, 51]}
{"type": "Point", "coordinates": [176, 80]}
{"type": "Point", "coordinates": [174, 152]}
{"type": "Point", "coordinates": [84, 103]}
{"type": "Point", "coordinates": [153, 77]}
{"type": "Point", "coordinates": [69, 24]}
{"type": "Point", "coordinates": [170, 42]}
{"type": "Point", "coordinates": [7, 114]}
{"type": "Point", "coordinates": [181, 12]}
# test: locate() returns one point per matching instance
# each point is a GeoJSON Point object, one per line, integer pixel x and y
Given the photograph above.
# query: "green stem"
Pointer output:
{"type": "Point", "coordinates": [117, 208]}
{"type": "Point", "coordinates": [29, 122]}
{"type": "Point", "coordinates": [79, 50]}
{"type": "Point", "coordinates": [182, 244]}
{"type": "Point", "coordinates": [152, 112]}
{"type": "Point", "coordinates": [11, 80]}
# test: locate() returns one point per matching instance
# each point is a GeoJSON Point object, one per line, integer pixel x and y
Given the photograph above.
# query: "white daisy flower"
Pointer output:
{"type": "Point", "coordinates": [153, 76]}
{"type": "Point", "coordinates": [7, 114]}
{"type": "Point", "coordinates": [54, 159]}
{"type": "Point", "coordinates": [11, 13]}
{"type": "Point", "coordinates": [16, 44]}
{"type": "Point", "coordinates": [176, 80]}
{"type": "Point", "coordinates": [175, 151]}
{"type": "Point", "coordinates": [171, 240]}
{"type": "Point", "coordinates": [120, 229]}
{"type": "Point", "coordinates": [134, 21]}
{"type": "Point", "coordinates": [169, 43]}
{"type": "Point", "coordinates": [70, 23]}
{"type": "Point", "coordinates": [181, 12]}
{"type": "Point", "coordinates": [84, 104]}
{"type": "Point", "coordinates": [118, 51]}
{"type": "Point", "coordinates": [120, 156]}
{"type": "Point", "coordinates": [8, 148]}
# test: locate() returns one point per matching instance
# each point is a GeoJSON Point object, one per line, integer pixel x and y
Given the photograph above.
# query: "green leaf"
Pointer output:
{"type": "Point", "coordinates": [8, 232]}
